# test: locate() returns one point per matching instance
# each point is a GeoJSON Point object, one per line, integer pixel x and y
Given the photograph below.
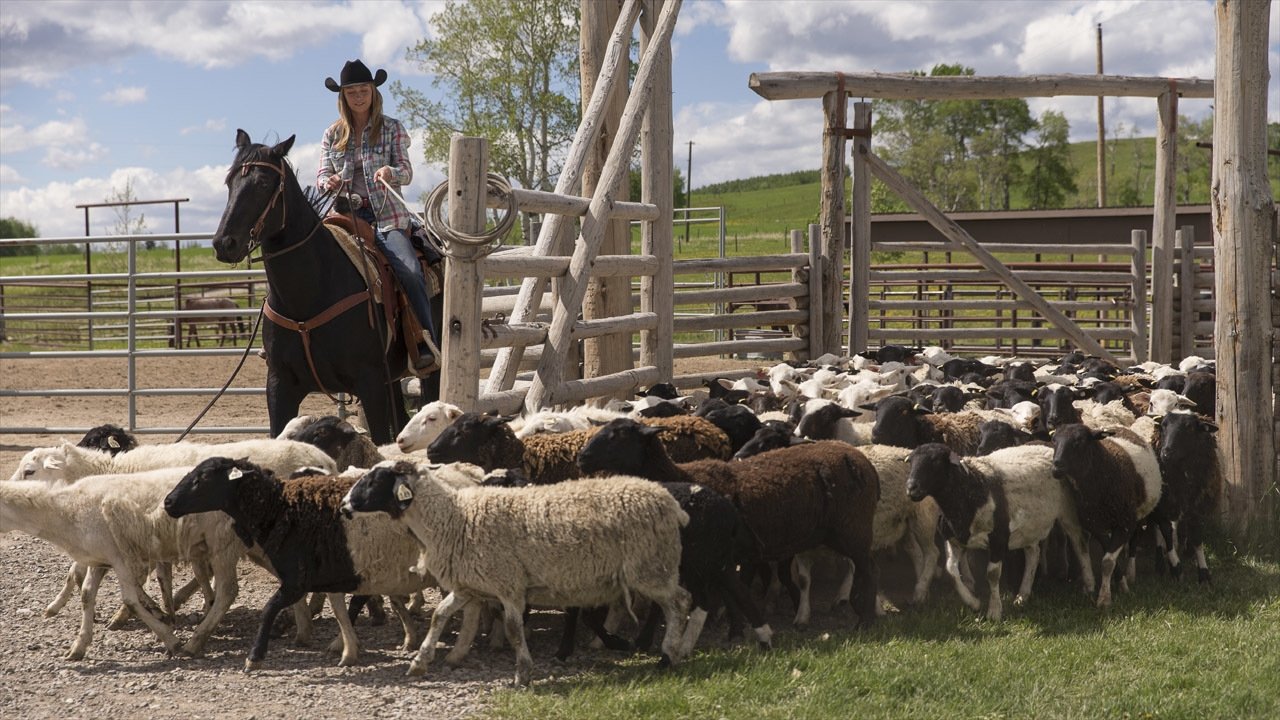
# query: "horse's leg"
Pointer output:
{"type": "Point", "coordinates": [383, 407]}
{"type": "Point", "coordinates": [283, 399]}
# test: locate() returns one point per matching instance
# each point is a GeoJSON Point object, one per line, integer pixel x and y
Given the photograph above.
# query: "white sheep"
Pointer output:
{"type": "Point", "coordinates": [67, 463]}
{"type": "Point", "coordinates": [586, 544]}
{"type": "Point", "coordinates": [117, 522]}
{"type": "Point", "coordinates": [426, 425]}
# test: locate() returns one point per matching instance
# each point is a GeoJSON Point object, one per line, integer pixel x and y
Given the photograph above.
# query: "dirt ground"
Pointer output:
{"type": "Point", "coordinates": [126, 673]}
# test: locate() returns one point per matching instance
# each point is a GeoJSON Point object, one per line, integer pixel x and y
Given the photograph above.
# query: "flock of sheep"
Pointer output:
{"type": "Point", "coordinates": [682, 501]}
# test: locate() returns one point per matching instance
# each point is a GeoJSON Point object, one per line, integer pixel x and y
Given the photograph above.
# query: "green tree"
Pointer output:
{"type": "Point", "coordinates": [1051, 177]}
{"type": "Point", "coordinates": [509, 72]}
{"type": "Point", "coordinates": [12, 227]}
{"type": "Point", "coordinates": [677, 186]}
{"type": "Point", "coordinates": [961, 153]}
{"type": "Point", "coordinates": [1194, 160]}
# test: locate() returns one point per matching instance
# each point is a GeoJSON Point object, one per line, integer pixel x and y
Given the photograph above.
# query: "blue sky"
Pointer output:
{"type": "Point", "coordinates": [96, 94]}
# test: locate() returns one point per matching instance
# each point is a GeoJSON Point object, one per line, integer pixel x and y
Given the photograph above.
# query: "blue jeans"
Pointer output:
{"type": "Point", "coordinates": [399, 251]}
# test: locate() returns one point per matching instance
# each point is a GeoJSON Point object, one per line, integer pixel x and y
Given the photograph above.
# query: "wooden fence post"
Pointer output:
{"type": "Point", "coordinates": [815, 291]}
{"type": "Point", "coordinates": [1163, 220]}
{"type": "Point", "coordinates": [799, 303]}
{"type": "Point", "coordinates": [657, 291]}
{"type": "Point", "coordinates": [1242, 211]}
{"type": "Point", "coordinates": [832, 218]}
{"type": "Point", "coordinates": [1186, 237]}
{"type": "Point", "coordinates": [860, 230]}
{"type": "Point", "coordinates": [1138, 317]}
{"type": "Point", "coordinates": [464, 280]}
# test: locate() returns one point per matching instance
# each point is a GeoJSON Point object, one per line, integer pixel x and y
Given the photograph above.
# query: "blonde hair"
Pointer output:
{"type": "Point", "coordinates": [345, 121]}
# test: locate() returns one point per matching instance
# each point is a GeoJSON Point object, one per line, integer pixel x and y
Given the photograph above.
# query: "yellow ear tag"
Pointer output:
{"type": "Point", "coordinates": [403, 493]}
{"type": "Point", "coordinates": [113, 443]}
{"type": "Point", "coordinates": [235, 474]}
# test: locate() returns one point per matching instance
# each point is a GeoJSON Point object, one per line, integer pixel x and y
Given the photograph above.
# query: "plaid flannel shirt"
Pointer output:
{"type": "Point", "coordinates": [392, 149]}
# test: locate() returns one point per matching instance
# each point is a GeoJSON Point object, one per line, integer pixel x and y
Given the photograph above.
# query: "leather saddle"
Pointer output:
{"type": "Point", "coordinates": [356, 238]}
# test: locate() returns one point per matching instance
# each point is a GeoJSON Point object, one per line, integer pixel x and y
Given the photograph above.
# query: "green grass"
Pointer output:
{"type": "Point", "coordinates": [1165, 650]}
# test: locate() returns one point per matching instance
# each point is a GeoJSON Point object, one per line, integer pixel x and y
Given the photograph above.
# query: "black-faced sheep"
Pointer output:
{"type": "Point", "coordinates": [108, 438]}
{"type": "Point", "coordinates": [1188, 455]}
{"type": "Point", "coordinates": [1005, 501]}
{"type": "Point", "coordinates": [1114, 478]}
{"type": "Point", "coordinates": [901, 424]}
{"type": "Point", "coordinates": [489, 442]}
{"type": "Point", "coordinates": [585, 543]}
{"type": "Point", "coordinates": [311, 547]}
{"type": "Point", "coordinates": [793, 499]}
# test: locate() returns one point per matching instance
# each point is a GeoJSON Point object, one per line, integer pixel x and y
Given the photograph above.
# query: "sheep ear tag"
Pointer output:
{"type": "Point", "coordinates": [112, 442]}
{"type": "Point", "coordinates": [235, 474]}
{"type": "Point", "coordinates": [403, 493]}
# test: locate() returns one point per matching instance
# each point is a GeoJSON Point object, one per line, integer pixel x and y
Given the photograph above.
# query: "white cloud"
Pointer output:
{"type": "Point", "coordinates": [71, 157]}
{"type": "Point", "coordinates": [9, 176]}
{"type": "Point", "coordinates": [41, 41]}
{"type": "Point", "coordinates": [125, 96]}
{"type": "Point", "coordinates": [213, 125]}
{"type": "Point", "coordinates": [731, 142]}
{"type": "Point", "coordinates": [55, 133]}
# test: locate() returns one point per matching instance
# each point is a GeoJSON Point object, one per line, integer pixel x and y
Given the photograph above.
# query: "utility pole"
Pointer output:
{"type": "Point", "coordinates": [1102, 136]}
{"type": "Point", "coordinates": [688, 192]}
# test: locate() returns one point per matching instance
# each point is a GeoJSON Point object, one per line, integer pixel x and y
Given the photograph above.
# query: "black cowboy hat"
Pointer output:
{"type": "Point", "coordinates": [355, 73]}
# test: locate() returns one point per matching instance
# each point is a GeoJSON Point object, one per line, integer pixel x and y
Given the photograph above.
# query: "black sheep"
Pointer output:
{"type": "Point", "coordinates": [1188, 455]}
{"type": "Point", "coordinates": [793, 499]}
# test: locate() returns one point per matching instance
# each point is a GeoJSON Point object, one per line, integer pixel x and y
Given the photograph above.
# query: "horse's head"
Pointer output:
{"type": "Point", "coordinates": [255, 185]}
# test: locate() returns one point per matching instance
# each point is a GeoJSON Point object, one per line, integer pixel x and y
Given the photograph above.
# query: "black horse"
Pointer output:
{"type": "Point", "coordinates": [324, 332]}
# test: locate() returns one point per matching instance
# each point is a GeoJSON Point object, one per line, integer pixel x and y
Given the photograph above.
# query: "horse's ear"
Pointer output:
{"type": "Point", "coordinates": [283, 148]}
{"type": "Point", "coordinates": [242, 140]}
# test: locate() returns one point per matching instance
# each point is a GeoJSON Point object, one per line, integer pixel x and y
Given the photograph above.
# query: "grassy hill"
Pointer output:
{"type": "Point", "coordinates": [775, 204]}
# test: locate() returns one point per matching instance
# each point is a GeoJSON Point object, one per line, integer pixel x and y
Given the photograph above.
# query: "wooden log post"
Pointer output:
{"type": "Point", "coordinates": [611, 296]}
{"type": "Point", "coordinates": [1162, 232]}
{"type": "Point", "coordinates": [557, 230]}
{"type": "Point", "coordinates": [799, 275]}
{"type": "Point", "coordinates": [1138, 316]}
{"type": "Point", "coordinates": [831, 217]}
{"type": "Point", "coordinates": [657, 291]}
{"type": "Point", "coordinates": [1242, 210]}
{"type": "Point", "coordinates": [815, 291]}
{"type": "Point", "coordinates": [1186, 237]}
{"type": "Point", "coordinates": [860, 230]}
{"type": "Point", "coordinates": [464, 279]}
{"type": "Point", "coordinates": [550, 375]}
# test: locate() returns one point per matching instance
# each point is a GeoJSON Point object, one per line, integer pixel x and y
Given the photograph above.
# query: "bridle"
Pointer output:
{"type": "Point", "coordinates": [255, 233]}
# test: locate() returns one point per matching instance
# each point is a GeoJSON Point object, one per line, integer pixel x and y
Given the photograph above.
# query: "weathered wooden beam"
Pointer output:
{"type": "Point", "coordinates": [464, 286]}
{"type": "Point", "coordinates": [903, 86]}
{"type": "Point", "coordinates": [859, 230]}
{"type": "Point", "coordinates": [1243, 241]}
{"type": "Point", "coordinates": [614, 70]}
{"type": "Point", "coordinates": [1164, 216]}
{"type": "Point", "coordinates": [963, 240]}
{"type": "Point", "coordinates": [831, 218]}
{"type": "Point", "coordinates": [656, 135]}
{"type": "Point", "coordinates": [574, 286]}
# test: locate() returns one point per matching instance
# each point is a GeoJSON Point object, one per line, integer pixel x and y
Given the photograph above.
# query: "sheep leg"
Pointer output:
{"type": "Point", "coordinates": [955, 558]}
{"type": "Point", "coordinates": [350, 644]}
{"type": "Point", "coordinates": [88, 599]}
{"type": "Point", "coordinates": [644, 640]}
{"type": "Point", "coordinates": [201, 573]}
{"type": "Point", "coordinates": [611, 624]}
{"type": "Point", "coordinates": [1175, 563]}
{"type": "Point", "coordinates": [439, 618]}
{"type": "Point", "coordinates": [164, 578]}
{"type": "Point", "coordinates": [924, 556]}
{"type": "Point", "coordinates": [1032, 554]}
{"type": "Point", "coordinates": [75, 578]}
{"type": "Point", "coordinates": [692, 630]}
{"type": "Point", "coordinates": [302, 625]}
{"type": "Point", "coordinates": [800, 568]}
{"type": "Point", "coordinates": [1110, 555]}
{"type": "Point", "coordinates": [406, 621]}
{"type": "Point", "coordinates": [131, 593]}
{"type": "Point", "coordinates": [995, 610]}
{"type": "Point", "coordinates": [471, 614]}
{"type": "Point", "coordinates": [513, 623]}
{"type": "Point", "coordinates": [417, 603]}
{"type": "Point", "coordinates": [675, 610]}
{"type": "Point", "coordinates": [594, 619]}
{"type": "Point", "coordinates": [283, 597]}
{"type": "Point", "coordinates": [738, 599]}
{"type": "Point", "coordinates": [846, 587]}
{"type": "Point", "coordinates": [228, 589]}
{"type": "Point", "coordinates": [377, 613]}
{"type": "Point", "coordinates": [568, 632]}
{"type": "Point", "coordinates": [1080, 546]}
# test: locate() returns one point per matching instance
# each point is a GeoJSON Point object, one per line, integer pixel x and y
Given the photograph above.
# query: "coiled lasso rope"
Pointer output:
{"type": "Point", "coordinates": [486, 241]}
